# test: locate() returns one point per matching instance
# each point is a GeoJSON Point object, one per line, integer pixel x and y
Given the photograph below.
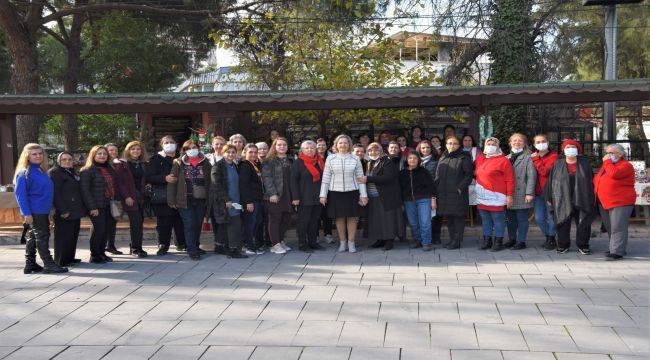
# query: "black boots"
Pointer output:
{"type": "Point", "coordinates": [50, 267]}
{"type": "Point", "coordinates": [550, 243]}
{"type": "Point", "coordinates": [510, 243]}
{"type": "Point", "coordinates": [388, 245]}
{"type": "Point", "coordinates": [497, 245]}
{"type": "Point", "coordinates": [162, 250]}
{"type": "Point", "coordinates": [113, 250]}
{"type": "Point", "coordinates": [377, 244]}
{"type": "Point", "coordinates": [486, 243]}
{"type": "Point", "coordinates": [30, 257]}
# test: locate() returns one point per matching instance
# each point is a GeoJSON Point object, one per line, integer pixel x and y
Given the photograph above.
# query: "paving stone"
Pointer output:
{"type": "Point", "coordinates": [93, 310]}
{"type": "Point", "coordinates": [365, 334]}
{"type": "Point", "coordinates": [573, 356]}
{"type": "Point", "coordinates": [398, 312]}
{"type": "Point", "coordinates": [479, 313]}
{"type": "Point", "coordinates": [325, 353]}
{"type": "Point", "coordinates": [53, 311]}
{"type": "Point", "coordinates": [500, 337]}
{"type": "Point", "coordinates": [131, 352]}
{"type": "Point", "coordinates": [104, 332]}
{"type": "Point", "coordinates": [374, 354]}
{"type": "Point", "coordinates": [640, 315]}
{"type": "Point", "coordinates": [548, 338]}
{"type": "Point", "coordinates": [420, 293]}
{"type": "Point", "coordinates": [168, 310]}
{"type": "Point", "coordinates": [407, 335]}
{"type": "Point", "coordinates": [321, 310]}
{"type": "Point", "coordinates": [568, 296]}
{"type": "Point", "coordinates": [316, 292]}
{"type": "Point", "coordinates": [61, 333]}
{"type": "Point", "coordinates": [602, 315]}
{"type": "Point", "coordinates": [232, 332]}
{"type": "Point", "coordinates": [475, 355]}
{"type": "Point", "coordinates": [35, 352]}
{"type": "Point", "coordinates": [558, 314]}
{"type": "Point", "coordinates": [493, 294]}
{"type": "Point", "coordinates": [439, 312]}
{"type": "Point", "coordinates": [282, 310]}
{"type": "Point", "coordinates": [275, 353]}
{"type": "Point", "coordinates": [173, 352]}
{"type": "Point", "coordinates": [146, 332]}
{"type": "Point", "coordinates": [189, 332]}
{"type": "Point", "coordinates": [525, 355]}
{"type": "Point", "coordinates": [84, 352]}
{"type": "Point", "coordinates": [424, 354]}
{"type": "Point", "coordinates": [228, 352]}
{"type": "Point", "coordinates": [608, 297]}
{"type": "Point", "coordinates": [520, 314]}
{"type": "Point", "coordinates": [21, 332]}
{"type": "Point", "coordinates": [274, 333]}
{"type": "Point", "coordinates": [242, 310]}
{"type": "Point", "coordinates": [318, 333]}
{"type": "Point", "coordinates": [453, 336]}
{"type": "Point", "coordinates": [205, 310]}
{"type": "Point", "coordinates": [6, 350]}
{"type": "Point", "coordinates": [131, 310]}
{"type": "Point", "coordinates": [530, 295]}
{"type": "Point", "coordinates": [351, 293]}
{"type": "Point", "coordinates": [356, 311]}
{"type": "Point", "coordinates": [636, 339]}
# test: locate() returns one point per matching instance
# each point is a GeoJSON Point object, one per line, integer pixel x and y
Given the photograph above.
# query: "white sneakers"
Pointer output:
{"type": "Point", "coordinates": [278, 249]}
{"type": "Point", "coordinates": [347, 245]}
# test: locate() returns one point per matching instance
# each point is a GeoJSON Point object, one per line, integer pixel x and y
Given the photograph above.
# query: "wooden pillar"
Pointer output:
{"type": "Point", "coordinates": [8, 150]}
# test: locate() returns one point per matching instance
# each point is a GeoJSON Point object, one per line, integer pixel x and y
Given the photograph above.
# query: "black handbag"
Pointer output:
{"type": "Point", "coordinates": [156, 194]}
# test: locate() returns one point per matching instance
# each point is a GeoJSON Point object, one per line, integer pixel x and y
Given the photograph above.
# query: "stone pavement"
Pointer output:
{"type": "Point", "coordinates": [402, 304]}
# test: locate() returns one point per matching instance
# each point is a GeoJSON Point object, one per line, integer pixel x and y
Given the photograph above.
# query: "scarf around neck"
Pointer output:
{"type": "Point", "coordinates": [310, 164]}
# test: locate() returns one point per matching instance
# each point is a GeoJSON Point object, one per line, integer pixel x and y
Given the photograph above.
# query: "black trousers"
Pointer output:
{"type": "Point", "coordinates": [456, 226]}
{"type": "Point", "coordinates": [308, 218]}
{"type": "Point", "coordinates": [230, 235]}
{"type": "Point", "coordinates": [103, 227]}
{"type": "Point", "coordinates": [38, 236]}
{"type": "Point", "coordinates": [164, 227]}
{"type": "Point", "coordinates": [278, 225]}
{"type": "Point", "coordinates": [215, 227]}
{"type": "Point", "coordinates": [583, 222]}
{"type": "Point", "coordinates": [66, 234]}
{"type": "Point", "coordinates": [136, 220]}
{"type": "Point", "coordinates": [326, 222]}
{"type": "Point", "coordinates": [436, 229]}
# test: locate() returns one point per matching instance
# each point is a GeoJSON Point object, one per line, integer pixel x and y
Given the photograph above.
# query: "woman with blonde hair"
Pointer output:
{"type": "Point", "coordinates": [34, 194]}
{"type": "Point", "coordinates": [342, 190]}
{"type": "Point", "coordinates": [131, 177]}
{"type": "Point", "coordinates": [99, 186]}
{"type": "Point", "coordinates": [524, 195]}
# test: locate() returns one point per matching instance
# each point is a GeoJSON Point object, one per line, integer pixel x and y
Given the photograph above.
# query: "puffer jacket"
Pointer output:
{"type": "Point", "coordinates": [272, 176]}
{"type": "Point", "coordinates": [93, 185]}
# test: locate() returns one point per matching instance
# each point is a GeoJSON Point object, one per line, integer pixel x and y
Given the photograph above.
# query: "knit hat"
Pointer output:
{"type": "Point", "coordinates": [571, 142]}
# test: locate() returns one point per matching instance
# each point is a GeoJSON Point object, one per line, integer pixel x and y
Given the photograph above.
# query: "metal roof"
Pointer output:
{"type": "Point", "coordinates": [536, 93]}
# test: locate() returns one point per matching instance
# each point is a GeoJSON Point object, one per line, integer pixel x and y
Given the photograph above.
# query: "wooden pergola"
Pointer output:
{"type": "Point", "coordinates": [480, 97]}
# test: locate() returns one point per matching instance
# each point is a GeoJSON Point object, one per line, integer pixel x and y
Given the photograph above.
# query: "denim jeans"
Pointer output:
{"type": "Point", "coordinates": [252, 226]}
{"type": "Point", "coordinates": [494, 222]}
{"type": "Point", "coordinates": [544, 217]}
{"type": "Point", "coordinates": [517, 224]}
{"type": "Point", "coordinates": [418, 213]}
{"type": "Point", "coordinates": [192, 217]}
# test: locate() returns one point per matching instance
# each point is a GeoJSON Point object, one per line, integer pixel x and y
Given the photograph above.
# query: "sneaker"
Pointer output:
{"type": "Point", "coordinates": [329, 239]}
{"type": "Point", "coordinates": [343, 245]}
{"type": "Point", "coordinates": [585, 251]}
{"type": "Point", "coordinates": [287, 248]}
{"type": "Point", "coordinates": [259, 251]}
{"type": "Point", "coordinates": [247, 251]}
{"type": "Point", "coordinates": [562, 251]}
{"type": "Point", "coordinates": [351, 247]}
{"type": "Point", "coordinates": [278, 249]}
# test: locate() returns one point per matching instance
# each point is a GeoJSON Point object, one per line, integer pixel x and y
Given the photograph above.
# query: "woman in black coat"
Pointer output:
{"type": "Point", "coordinates": [385, 203]}
{"type": "Point", "coordinates": [454, 173]}
{"type": "Point", "coordinates": [251, 191]}
{"type": "Point", "coordinates": [99, 186]}
{"type": "Point", "coordinates": [306, 175]}
{"type": "Point", "coordinates": [158, 175]}
{"type": "Point", "coordinates": [69, 210]}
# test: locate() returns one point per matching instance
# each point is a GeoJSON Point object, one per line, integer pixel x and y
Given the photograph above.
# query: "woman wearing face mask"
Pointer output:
{"type": "Point", "coordinates": [418, 193]}
{"type": "Point", "coordinates": [384, 201]}
{"type": "Point", "coordinates": [569, 191]}
{"type": "Point", "coordinates": [614, 188]}
{"type": "Point", "coordinates": [495, 186]}
{"type": "Point", "coordinates": [341, 189]}
{"type": "Point", "coordinates": [276, 173]}
{"type": "Point", "coordinates": [430, 162]}
{"type": "Point", "coordinates": [34, 194]}
{"type": "Point", "coordinates": [543, 159]}
{"type": "Point", "coordinates": [306, 174]}
{"type": "Point", "coordinates": [436, 143]}
{"type": "Point", "coordinates": [225, 180]}
{"type": "Point", "coordinates": [454, 173]}
{"type": "Point", "coordinates": [189, 193]}
{"type": "Point", "coordinates": [158, 176]}
{"type": "Point", "coordinates": [522, 202]}
{"type": "Point", "coordinates": [131, 177]}
{"type": "Point", "coordinates": [69, 210]}
{"type": "Point", "coordinates": [99, 186]}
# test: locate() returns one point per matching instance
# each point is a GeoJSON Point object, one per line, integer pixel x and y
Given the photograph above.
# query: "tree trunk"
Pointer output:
{"type": "Point", "coordinates": [71, 81]}
{"type": "Point", "coordinates": [25, 77]}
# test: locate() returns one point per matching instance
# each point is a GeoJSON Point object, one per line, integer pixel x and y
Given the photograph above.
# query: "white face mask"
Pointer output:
{"type": "Point", "coordinates": [571, 152]}
{"type": "Point", "coordinates": [169, 148]}
{"type": "Point", "coordinates": [491, 149]}
{"type": "Point", "coordinates": [541, 146]}
{"type": "Point", "coordinates": [516, 151]}
{"type": "Point", "coordinates": [192, 152]}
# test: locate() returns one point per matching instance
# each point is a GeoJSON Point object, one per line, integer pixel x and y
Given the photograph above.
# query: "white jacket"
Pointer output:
{"type": "Point", "coordinates": [341, 173]}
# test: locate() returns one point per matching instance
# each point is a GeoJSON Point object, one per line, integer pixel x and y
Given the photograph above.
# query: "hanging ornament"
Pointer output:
{"type": "Point", "coordinates": [483, 132]}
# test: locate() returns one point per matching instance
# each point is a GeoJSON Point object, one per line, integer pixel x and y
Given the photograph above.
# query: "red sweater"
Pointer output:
{"type": "Point", "coordinates": [543, 166]}
{"type": "Point", "coordinates": [614, 184]}
{"type": "Point", "coordinates": [495, 179]}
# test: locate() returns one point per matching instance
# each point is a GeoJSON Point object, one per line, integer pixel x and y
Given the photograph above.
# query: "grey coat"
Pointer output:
{"type": "Point", "coordinates": [525, 180]}
{"type": "Point", "coordinates": [272, 176]}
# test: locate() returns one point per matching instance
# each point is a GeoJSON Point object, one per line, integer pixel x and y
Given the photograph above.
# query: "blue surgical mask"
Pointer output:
{"type": "Point", "coordinates": [571, 152]}
{"type": "Point", "coordinates": [613, 158]}
{"type": "Point", "coordinates": [192, 152]}
{"type": "Point", "coordinates": [467, 149]}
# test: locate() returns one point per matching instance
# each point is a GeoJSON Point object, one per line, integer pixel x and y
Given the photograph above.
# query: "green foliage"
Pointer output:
{"type": "Point", "coordinates": [93, 130]}
{"type": "Point", "coordinates": [129, 54]}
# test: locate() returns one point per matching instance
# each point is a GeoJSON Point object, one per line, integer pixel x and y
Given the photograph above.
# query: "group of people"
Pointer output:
{"type": "Point", "coordinates": [249, 191]}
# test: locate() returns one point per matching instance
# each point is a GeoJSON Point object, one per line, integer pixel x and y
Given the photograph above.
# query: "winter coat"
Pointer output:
{"type": "Point", "coordinates": [525, 181]}
{"type": "Point", "coordinates": [431, 165]}
{"type": "Point", "coordinates": [558, 192]}
{"type": "Point", "coordinates": [127, 184]}
{"type": "Point", "coordinates": [341, 173]}
{"type": "Point", "coordinates": [251, 188]}
{"type": "Point", "coordinates": [272, 176]}
{"type": "Point", "coordinates": [67, 194]}
{"type": "Point", "coordinates": [34, 192]}
{"type": "Point", "coordinates": [303, 187]}
{"type": "Point", "coordinates": [614, 184]}
{"type": "Point", "coordinates": [454, 174]}
{"type": "Point", "coordinates": [220, 196]}
{"type": "Point", "coordinates": [385, 176]}
{"type": "Point", "coordinates": [177, 192]}
{"type": "Point", "coordinates": [156, 171]}
{"type": "Point", "coordinates": [416, 184]}
{"type": "Point", "coordinates": [93, 186]}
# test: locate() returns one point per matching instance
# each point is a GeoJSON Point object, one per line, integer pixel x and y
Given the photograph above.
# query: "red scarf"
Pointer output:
{"type": "Point", "coordinates": [310, 164]}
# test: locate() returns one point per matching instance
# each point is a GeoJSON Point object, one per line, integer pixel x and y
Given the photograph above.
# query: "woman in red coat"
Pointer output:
{"type": "Point", "coordinates": [614, 189]}
{"type": "Point", "coordinates": [495, 185]}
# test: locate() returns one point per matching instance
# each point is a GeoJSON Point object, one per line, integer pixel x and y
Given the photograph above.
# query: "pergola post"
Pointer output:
{"type": "Point", "coordinates": [8, 150]}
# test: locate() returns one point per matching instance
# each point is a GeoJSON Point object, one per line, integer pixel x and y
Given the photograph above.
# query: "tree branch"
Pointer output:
{"type": "Point", "coordinates": [54, 34]}
{"type": "Point", "coordinates": [537, 30]}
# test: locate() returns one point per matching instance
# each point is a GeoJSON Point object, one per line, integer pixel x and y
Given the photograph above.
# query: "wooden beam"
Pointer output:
{"type": "Point", "coordinates": [8, 151]}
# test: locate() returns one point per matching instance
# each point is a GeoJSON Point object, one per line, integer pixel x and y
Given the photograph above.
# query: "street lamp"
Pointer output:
{"type": "Point", "coordinates": [609, 108]}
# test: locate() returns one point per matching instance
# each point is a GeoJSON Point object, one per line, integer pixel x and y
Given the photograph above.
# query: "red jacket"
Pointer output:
{"type": "Point", "coordinates": [614, 184]}
{"type": "Point", "coordinates": [543, 165]}
{"type": "Point", "coordinates": [495, 179]}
